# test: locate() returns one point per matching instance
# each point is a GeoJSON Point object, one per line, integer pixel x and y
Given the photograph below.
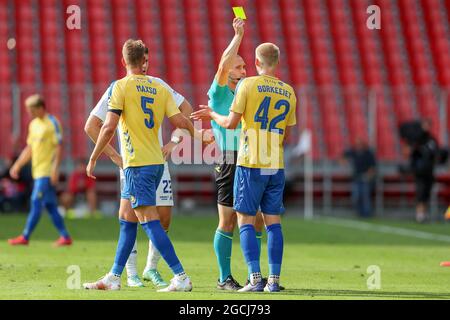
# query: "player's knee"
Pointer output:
{"type": "Point", "coordinates": [130, 218]}
{"type": "Point", "coordinates": [128, 215]}
{"type": "Point", "coordinates": [271, 219]}
{"type": "Point", "coordinates": [227, 223]}
{"type": "Point", "coordinates": [227, 227]}
{"type": "Point", "coordinates": [245, 219]}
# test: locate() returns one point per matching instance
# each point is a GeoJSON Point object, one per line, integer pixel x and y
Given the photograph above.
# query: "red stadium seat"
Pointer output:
{"type": "Point", "coordinates": [320, 47]}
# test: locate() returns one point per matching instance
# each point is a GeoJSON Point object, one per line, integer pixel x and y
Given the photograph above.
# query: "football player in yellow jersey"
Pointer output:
{"type": "Point", "coordinates": [164, 200]}
{"type": "Point", "coordinates": [44, 150]}
{"type": "Point", "coordinates": [138, 105]}
{"type": "Point", "coordinates": [267, 108]}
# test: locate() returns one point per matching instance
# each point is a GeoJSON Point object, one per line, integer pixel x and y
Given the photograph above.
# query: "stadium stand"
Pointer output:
{"type": "Point", "coordinates": [335, 62]}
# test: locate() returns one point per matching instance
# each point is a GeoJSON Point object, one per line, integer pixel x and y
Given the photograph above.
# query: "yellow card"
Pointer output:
{"type": "Point", "coordinates": [239, 12]}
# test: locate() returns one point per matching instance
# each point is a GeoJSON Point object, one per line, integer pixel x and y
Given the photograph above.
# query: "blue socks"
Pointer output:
{"type": "Point", "coordinates": [249, 246]}
{"type": "Point", "coordinates": [161, 241]}
{"type": "Point", "coordinates": [58, 221]}
{"type": "Point", "coordinates": [258, 240]}
{"type": "Point", "coordinates": [33, 217]}
{"type": "Point", "coordinates": [127, 237]}
{"type": "Point", "coordinates": [158, 237]}
{"type": "Point", "coordinates": [275, 248]}
{"type": "Point", "coordinates": [223, 242]}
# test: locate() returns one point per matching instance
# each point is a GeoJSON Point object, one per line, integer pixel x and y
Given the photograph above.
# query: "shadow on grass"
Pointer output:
{"type": "Point", "coordinates": [365, 294]}
{"type": "Point", "coordinates": [301, 294]}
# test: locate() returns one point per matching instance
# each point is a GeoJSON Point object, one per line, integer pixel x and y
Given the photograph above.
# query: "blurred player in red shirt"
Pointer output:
{"type": "Point", "coordinates": [80, 183]}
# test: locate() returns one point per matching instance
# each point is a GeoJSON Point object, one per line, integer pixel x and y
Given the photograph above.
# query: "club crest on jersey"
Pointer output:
{"type": "Point", "coordinates": [132, 199]}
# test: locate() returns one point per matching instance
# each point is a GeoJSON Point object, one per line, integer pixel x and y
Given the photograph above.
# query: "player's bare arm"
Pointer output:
{"type": "Point", "coordinates": [206, 113]}
{"type": "Point", "coordinates": [177, 135]}
{"type": "Point", "coordinates": [105, 136]}
{"type": "Point", "coordinates": [226, 62]}
{"type": "Point", "coordinates": [24, 158]}
{"type": "Point", "coordinates": [182, 122]}
{"type": "Point", "coordinates": [92, 129]}
{"type": "Point", "coordinates": [228, 122]}
{"type": "Point", "coordinates": [186, 108]}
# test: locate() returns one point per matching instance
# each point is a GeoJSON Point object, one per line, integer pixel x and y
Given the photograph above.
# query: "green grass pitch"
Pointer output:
{"type": "Point", "coordinates": [322, 260]}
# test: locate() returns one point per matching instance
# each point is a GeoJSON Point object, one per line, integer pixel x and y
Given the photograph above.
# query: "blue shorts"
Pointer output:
{"type": "Point", "coordinates": [141, 184]}
{"type": "Point", "coordinates": [44, 191]}
{"type": "Point", "coordinates": [256, 188]}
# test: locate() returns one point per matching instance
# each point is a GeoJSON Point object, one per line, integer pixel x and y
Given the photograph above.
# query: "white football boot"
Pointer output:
{"type": "Point", "coordinates": [108, 282]}
{"type": "Point", "coordinates": [178, 283]}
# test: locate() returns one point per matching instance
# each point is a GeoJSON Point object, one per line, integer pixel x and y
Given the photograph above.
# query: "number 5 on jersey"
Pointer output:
{"type": "Point", "coordinates": [149, 122]}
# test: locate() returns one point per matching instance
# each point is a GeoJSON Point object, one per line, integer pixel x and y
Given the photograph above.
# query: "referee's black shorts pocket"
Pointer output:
{"type": "Point", "coordinates": [224, 174]}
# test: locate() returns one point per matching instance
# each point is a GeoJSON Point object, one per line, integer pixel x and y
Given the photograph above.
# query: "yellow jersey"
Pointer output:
{"type": "Point", "coordinates": [44, 135]}
{"type": "Point", "coordinates": [268, 106]}
{"type": "Point", "coordinates": [142, 104]}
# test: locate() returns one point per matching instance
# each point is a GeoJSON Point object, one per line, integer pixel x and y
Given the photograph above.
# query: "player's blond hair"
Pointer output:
{"type": "Point", "coordinates": [268, 54]}
{"type": "Point", "coordinates": [35, 101]}
{"type": "Point", "coordinates": [133, 52]}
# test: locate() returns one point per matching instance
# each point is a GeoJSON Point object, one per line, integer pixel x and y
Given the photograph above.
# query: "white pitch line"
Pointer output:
{"type": "Point", "coordinates": [385, 229]}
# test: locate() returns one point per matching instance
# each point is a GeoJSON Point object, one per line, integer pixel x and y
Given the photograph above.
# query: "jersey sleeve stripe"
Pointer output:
{"type": "Point", "coordinates": [110, 90]}
{"type": "Point", "coordinates": [57, 128]}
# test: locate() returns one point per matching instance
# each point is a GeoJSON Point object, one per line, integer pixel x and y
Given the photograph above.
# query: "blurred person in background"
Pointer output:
{"type": "Point", "coordinates": [363, 162]}
{"type": "Point", "coordinates": [44, 150]}
{"type": "Point", "coordinates": [423, 153]}
{"type": "Point", "coordinates": [80, 184]}
{"type": "Point", "coordinates": [14, 194]}
{"type": "Point", "coordinates": [447, 214]}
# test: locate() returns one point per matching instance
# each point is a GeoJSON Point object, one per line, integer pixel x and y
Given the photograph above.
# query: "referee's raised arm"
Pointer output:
{"type": "Point", "coordinates": [230, 53]}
